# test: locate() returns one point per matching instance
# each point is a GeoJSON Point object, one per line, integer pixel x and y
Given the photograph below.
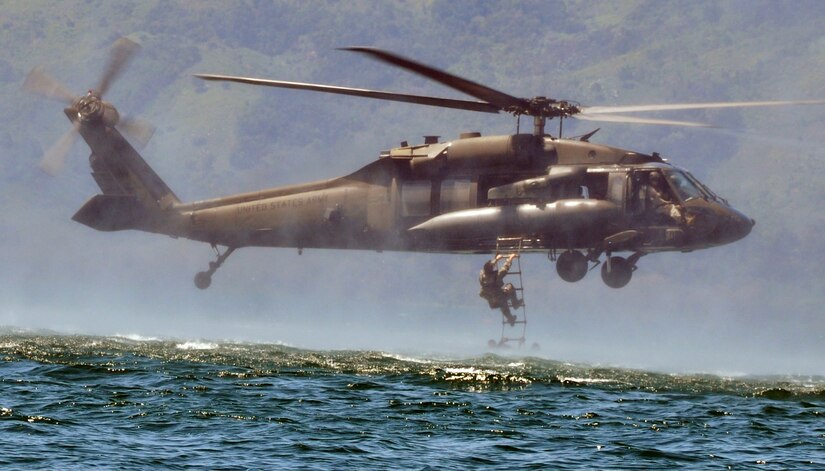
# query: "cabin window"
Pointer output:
{"type": "Point", "coordinates": [415, 198]}
{"type": "Point", "coordinates": [595, 185]}
{"type": "Point", "coordinates": [455, 195]}
{"type": "Point", "coordinates": [616, 187]}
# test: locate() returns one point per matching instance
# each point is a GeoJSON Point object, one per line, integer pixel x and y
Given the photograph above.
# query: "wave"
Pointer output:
{"type": "Point", "coordinates": [489, 371]}
{"type": "Point", "coordinates": [136, 338]}
{"type": "Point", "coordinates": [196, 345]}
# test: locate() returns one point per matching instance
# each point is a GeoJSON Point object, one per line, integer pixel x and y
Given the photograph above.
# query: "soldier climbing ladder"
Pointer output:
{"type": "Point", "coordinates": [509, 329]}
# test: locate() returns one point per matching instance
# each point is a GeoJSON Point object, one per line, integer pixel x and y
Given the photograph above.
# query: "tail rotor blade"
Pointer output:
{"type": "Point", "coordinates": [122, 52]}
{"type": "Point", "coordinates": [55, 158]}
{"type": "Point", "coordinates": [138, 130]}
{"type": "Point", "coordinates": [40, 83]}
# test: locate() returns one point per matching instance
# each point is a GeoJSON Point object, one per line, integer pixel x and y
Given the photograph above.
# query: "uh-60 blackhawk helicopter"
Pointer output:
{"type": "Point", "coordinates": [570, 198]}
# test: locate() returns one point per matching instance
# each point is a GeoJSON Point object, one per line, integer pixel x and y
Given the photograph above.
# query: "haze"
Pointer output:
{"type": "Point", "coordinates": [751, 307]}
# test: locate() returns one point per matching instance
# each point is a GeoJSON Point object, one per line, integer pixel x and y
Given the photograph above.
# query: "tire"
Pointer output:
{"type": "Point", "coordinates": [203, 280]}
{"type": "Point", "coordinates": [619, 273]}
{"type": "Point", "coordinates": [571, 266]}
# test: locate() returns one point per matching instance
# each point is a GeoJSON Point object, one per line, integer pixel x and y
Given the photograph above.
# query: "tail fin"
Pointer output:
{"type": "Point", "coordinates": [133, 194]}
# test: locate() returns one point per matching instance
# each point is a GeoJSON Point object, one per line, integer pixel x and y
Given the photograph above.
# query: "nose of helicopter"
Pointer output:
{"type": "Point", "coordinates": [732, 226]}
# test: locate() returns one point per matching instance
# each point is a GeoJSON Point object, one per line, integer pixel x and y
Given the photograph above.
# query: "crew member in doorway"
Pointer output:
{"type": "Point", "coordinates": [499, 295]}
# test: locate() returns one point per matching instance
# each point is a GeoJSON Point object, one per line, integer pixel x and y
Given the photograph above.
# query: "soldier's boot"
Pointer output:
{"type": "Point", "coordinates": [511, 319]}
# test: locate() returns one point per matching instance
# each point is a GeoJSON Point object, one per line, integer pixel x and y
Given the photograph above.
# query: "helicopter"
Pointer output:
{"type": "Point", "coordinates": [575, 200]}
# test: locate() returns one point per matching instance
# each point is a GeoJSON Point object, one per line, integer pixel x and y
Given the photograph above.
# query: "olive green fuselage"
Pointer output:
{"type": "Point", "coordinates": [463, 196]}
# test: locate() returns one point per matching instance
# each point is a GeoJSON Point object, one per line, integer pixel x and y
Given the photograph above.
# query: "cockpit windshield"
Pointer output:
{"type": "Point", "coordinates": [704, 187]}
{"type": "Point", "coordinates": [684, 186]}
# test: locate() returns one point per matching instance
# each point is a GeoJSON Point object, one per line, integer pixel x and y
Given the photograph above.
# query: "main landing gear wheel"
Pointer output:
{"type": "Point", "coordinates": [617, 271]}
{"type": "Point", "coordinates": [204, 279]}
{"type": "Point", "coordinates": [571, 266]}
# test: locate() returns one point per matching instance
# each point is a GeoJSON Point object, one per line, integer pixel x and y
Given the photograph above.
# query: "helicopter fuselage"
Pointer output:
{"type": "Point", "coordinates": [459, 196]}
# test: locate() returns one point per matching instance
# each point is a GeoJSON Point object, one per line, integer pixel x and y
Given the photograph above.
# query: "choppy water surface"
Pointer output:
{"type": "Point", "coordinates": [120, 402]}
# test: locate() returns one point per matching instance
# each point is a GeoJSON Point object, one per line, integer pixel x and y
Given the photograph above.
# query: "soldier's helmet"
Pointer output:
{"type": "Point", "coordinates": [489, 267]}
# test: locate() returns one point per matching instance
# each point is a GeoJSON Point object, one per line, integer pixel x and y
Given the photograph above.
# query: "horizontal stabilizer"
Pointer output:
{"type": "Point", "coordinates": [112, 213]}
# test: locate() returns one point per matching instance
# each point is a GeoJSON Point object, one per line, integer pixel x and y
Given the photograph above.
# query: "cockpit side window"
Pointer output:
{"type": "Point", "coordinates": [652, 199]}
{"type": "Point", "coordinates": [683, 186]}
{"type": "Point", "coordinates": [649, 190]}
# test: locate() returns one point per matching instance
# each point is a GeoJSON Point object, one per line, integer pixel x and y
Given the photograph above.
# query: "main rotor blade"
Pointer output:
{"type": "Point", "coordinates": [695, 106]}
{"type": "Point", "coordinates": [122, 51]}
{"type": "Point", "coordinates": [360, 92]}
{"type": "Point", "coordinates": [499, 99]}
{"type": "Point", "coordinates": [41, 83]}
{"type": "Point", "coordinates": [614, 118]}
{"type": "Point", "coordinates": [54, 159]}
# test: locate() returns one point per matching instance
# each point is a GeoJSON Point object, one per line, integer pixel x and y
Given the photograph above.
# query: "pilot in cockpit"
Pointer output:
{"type": "Point", "coordinates": [660, 206]}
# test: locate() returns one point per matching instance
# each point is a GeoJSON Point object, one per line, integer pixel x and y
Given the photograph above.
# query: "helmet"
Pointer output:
{"type": "Point", "coordinates": [655, 178]}
{"type": "Point", "coordinates": [490, 266]}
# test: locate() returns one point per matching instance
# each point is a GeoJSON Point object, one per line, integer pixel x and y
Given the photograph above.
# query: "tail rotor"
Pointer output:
{"type": "Point", "coordinates": [54, 159]}
{"type": "Point", "coordinates": [88, 108]}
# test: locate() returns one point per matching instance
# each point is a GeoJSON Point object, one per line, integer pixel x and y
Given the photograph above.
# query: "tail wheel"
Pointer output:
{"type": "Point", "coordinates": [203, 280]}
{"type": "Point", "coordinates": [616, 273]}
{"type": "Point", "coordinates": [571, 266]}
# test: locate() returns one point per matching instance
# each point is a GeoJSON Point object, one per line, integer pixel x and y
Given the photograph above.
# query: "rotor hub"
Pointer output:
{"type": "Point", "coordinates": [544, 107]}
{"type": "Point", "coordinates": [89, 107]}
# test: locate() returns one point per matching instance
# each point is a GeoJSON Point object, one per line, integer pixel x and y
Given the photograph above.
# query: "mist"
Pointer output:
{"type": "Point", "coordinates": [752, 307]}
